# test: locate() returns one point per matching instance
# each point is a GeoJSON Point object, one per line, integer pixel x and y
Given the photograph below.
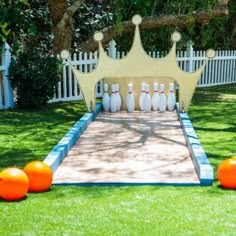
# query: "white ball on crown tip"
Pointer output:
{"type": "Point", "coordinates": [176, 36]}
{"type": "Point", "coordinates": [211, 53]}
{"type": "Point", "coordinates": [98, 36]}
{"type": "Point", "coordinates": [65, 54]}
{"type": "Point", "coordinates": [136, 19]}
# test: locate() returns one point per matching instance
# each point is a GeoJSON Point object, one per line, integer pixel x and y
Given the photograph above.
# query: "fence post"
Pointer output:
{"type": "Point", "coordinates": [190, 56]}
{"type": "Point", "coordinates": [112, 49]}
{"type": "Point", "coordinates": [1, 105]}
{"type": "Point", "coordinates": [8, 91]}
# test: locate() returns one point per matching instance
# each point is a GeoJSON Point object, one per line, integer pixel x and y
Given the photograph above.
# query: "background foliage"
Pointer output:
{"type": "Point", "coordinates": [35, 77]}
{"type": "Point", "coordinates": [212, 35]}
{"type": "Point", "coordinates": [28, 22]}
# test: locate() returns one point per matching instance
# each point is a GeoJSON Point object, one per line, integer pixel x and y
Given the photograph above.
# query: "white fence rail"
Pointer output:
{"type": "Point", "coordinates": [6, 92]}
{"type": "Point", "coordinates": [220, 70]}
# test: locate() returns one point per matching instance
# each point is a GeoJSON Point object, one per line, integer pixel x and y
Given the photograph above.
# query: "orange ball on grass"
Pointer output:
{"type": "Point", "coordinates": [14, 184]}
{"type": "Point", "coordinates": [40, 176]}
{"type": "Point", "coordinates": [227, 173]}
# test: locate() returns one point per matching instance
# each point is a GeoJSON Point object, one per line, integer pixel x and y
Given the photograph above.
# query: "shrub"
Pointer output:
{"type": "Point", "coordinates": [35, 77]}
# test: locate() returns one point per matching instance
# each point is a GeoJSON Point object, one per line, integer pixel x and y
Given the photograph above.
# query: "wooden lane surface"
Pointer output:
{"type": "Point", "coordinates": [130, 148]}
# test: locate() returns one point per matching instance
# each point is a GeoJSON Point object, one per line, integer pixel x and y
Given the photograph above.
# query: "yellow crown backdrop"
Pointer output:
{"type": "Point", "coordinates": [138, 67]}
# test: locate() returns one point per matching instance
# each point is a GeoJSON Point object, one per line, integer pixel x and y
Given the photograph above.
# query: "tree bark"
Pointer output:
{"type": "Point", "coordinates": [201, 17]}
{"type": "Point", "coordinates": [233, 36]}
{"type": "Point", "coordinates": [61, 16]}
{"type": "Point", "coordinates": [232, 26]}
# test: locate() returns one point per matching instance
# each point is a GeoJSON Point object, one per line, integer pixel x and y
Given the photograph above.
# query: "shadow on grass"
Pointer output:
{"type": "Point", "coordinates": [15, 158]}
{"type": "Point", "coordinates": [42, 192]}
{"type": "Point", "coordinates": [13, 201]}
{"type": "Point", "coordinates": [27, 135]}
{"type": "Point", "coordinates": [229, 129]}
{"type": "Point", "coordinates": [216, 159]}
{"type": "Point", "coordinates": [51, 112]}
{"type": "Point", "coordinates": [219, 186]}
{"type": "Point", "coordinates": [98, 191]}
{"type": "Point", "coordinates": [213, 94]}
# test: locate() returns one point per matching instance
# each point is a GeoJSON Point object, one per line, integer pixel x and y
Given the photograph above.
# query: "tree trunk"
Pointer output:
{"type": "Point", "coordinates": [61, 16]}
{"type": "Point", "coordinates": [62, 33]}
{"type": "Point", "coordinates": [233, 38]}
{"type": "Point", "coordinates": [232, 25]}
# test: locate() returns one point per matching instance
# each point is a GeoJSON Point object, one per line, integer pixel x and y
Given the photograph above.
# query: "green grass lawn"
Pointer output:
{"type": "Point", "coordinates": [213, 114]}
{"type": "Point", "coordinates": [29, 135]}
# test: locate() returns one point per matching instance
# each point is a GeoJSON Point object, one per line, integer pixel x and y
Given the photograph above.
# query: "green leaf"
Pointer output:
{"type": "Point", "coordinates": [32, 30]}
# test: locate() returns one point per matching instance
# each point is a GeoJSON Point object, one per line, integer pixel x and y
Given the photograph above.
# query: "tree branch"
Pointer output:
{"type": "Point", "coordinates": [69, 13]}
{"type": "Point", "coordinates": [153, 22]}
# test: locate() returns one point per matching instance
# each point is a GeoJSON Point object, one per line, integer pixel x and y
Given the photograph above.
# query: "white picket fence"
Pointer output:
{"type": "Point", "coordinates": [6, 92]}
{"type": "Point", "coordinates": [220, 70]}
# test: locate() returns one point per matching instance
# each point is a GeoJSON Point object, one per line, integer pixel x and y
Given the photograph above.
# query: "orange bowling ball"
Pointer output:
{"type": "Point", "coordinates": [14, 184]}
{"type": "Point", "coordinates": [227, 173]}
{"type": "Point", "coordinates": [40, 176]}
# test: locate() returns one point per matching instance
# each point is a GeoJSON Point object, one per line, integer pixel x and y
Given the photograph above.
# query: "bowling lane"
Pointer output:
{"type": "Point", "coordinates": [129, 148]}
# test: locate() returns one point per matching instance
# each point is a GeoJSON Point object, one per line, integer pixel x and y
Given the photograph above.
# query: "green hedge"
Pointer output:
{"type": "Point", "coordinates": [34, 76]}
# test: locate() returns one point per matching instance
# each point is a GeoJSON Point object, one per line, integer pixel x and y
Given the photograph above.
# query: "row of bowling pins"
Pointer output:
{"type": "Point", "coordinates": [146, 102]}
{"type": "Point", "coordinates": [157, 101]}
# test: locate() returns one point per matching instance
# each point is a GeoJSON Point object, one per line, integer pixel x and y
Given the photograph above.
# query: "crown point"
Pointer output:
{"type": "Point", "coordinates": [176, 36]}
{"type": "Point", "coordinates": [211, 53]}
{"type": "Point", "coordinates": [65, 54]}
{"type": "Point", "coordinates": [137, 19]}
{"type": "Point", "coordinates": [98, 36]}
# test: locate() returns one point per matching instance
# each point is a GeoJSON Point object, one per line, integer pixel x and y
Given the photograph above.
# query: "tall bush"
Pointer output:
{"type": "Point", "coordinates": [35, 76]}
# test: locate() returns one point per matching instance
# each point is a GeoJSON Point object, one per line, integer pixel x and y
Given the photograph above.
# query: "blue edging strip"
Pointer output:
{"type": "Point", "coordinates": [59, 152]}
{"type": "Point", "coordinates": [122, 184]}
{"type": "Point", "coordinates": [201, 163]}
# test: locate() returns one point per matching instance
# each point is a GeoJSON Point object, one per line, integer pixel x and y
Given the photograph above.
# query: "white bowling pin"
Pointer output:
{"type": "Point", "coordinates": [130, 101]}
{"type": "Point", "coordinates": [113, 99]}
{"type": "Point", "coordinates": [118, 97]}
{"type": "Point", "coordinates": [155, 97]}
{"type": "Point", "coordinates": [147, 101]}
{"type": "Point", "coordinates": [162, 99]}
{"type": "Point", "coordinates": [141, 97]}
{"type": "Point", "coordinates": [106, 99]}
{"type": "Point", "coordinates": [171, 100]}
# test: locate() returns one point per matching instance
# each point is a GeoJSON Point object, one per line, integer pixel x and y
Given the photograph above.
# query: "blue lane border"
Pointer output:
{"type": "Point", "coordinates": [201, 163]}
{"type": "Point", "coordinates": [121, 184]}
{"type": "Point", "coordinates": [59, 152]}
